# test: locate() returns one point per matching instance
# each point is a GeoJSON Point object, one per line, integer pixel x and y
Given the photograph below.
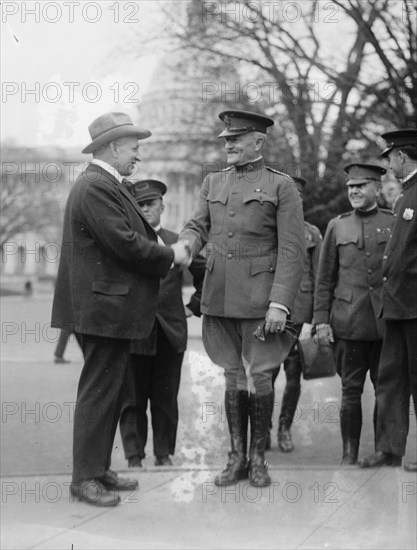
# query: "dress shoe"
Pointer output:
{"type": "Point", "coordinates": [284, 440]}
{"type": "Point", "coordinates": [94, 492]}
{"type": "Point", "coordinates": [163, 461]}
{"type": "Point", "coordinates": [380, 458]}
{"type": "Point", "coordinates": [61, 360]}
{"type": "Point", "coordinates": [112, 481]}
{"type": "Point", "coordinates": [410, 466]}
{"type": "Point", "coordinates": [258, 473]}
{"type": "Point", "coordinates": [134, 462]}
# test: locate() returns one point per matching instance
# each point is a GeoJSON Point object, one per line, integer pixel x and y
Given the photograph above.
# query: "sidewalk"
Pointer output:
{"type": "Point", "coordinates": [182, 508]}
{"type": "Point", "coordinates": [312, 504]}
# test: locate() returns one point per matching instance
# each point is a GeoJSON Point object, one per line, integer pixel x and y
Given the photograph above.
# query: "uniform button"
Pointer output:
{"type": "Point", "coordinates": [271, 269]}
{"type": "Point", "coordinates": [384, 257]}
{"type": "Point", "coordinates": [365, 221]}
{"type": "Point", "coordinates": [371, 288]}
{"type": "Point", "coordinates": [368, 254]}
{"type": "Point", "coordinates": [369, 270]}
{"type": "Point", "coordinates": [231, 213]}
{"type": "Point", "coordinates": [230, 234]}
{"type": "Point", "coordinates": [367, 237]}
{"type": "Point", "coordinates": [230, 256]}
{"type": "Point", "coordinates": [384, 279]}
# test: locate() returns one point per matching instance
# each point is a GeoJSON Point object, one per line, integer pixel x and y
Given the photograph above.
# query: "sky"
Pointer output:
{"type": "Point", "coordinates": [64, 63]}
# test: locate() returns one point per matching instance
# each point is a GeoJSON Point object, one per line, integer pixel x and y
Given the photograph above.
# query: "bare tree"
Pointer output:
{"type": "Point", "coordinates": [334, 75]}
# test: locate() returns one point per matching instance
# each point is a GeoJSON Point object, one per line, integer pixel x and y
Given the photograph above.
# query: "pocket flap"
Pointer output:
{"type": "Point", "coordinates": [110, 288]}
{"type": "Point", "coordinates": [261, 197]}
{"type": "Point", "coordinates": [306, 285]}
{"type": "Point", "coordinates": [382, 237]}
{"type": "Point", "coordinates": [346, 239]}
{"type": "Point", "coordinates": [343, 294]}
{"type": "Point", "coordinates": [261, 265]}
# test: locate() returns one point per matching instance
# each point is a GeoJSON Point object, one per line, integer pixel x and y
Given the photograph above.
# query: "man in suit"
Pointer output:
{"type": "Point", "coordinates": [302, 313]}
{"type": "Point", "coordinates": [348, 289]}
{"type": "Point", "coordinates": [251, 218]}
{"type": "Point", "coordinates": [397, 376]}
{"type": "Point", "coordinates": [110, 259]}
{"type": "Point", "coordinates": [155, 365]}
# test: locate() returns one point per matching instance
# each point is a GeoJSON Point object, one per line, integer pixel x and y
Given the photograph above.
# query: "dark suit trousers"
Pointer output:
{"type": "Point", "coordinates": [154, 379]}
{"type": "Point", "coordinates": [397, 378]}
{"type": "Point", "coordinates": [98, 404]}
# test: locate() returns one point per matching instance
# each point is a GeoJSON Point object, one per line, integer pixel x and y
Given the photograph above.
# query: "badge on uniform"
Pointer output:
{"type": "Point", "coordinates": [408, 214]}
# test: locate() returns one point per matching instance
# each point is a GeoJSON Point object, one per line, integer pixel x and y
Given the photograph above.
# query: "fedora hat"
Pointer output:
{"type": "Point", "coordinates": [111, 126]}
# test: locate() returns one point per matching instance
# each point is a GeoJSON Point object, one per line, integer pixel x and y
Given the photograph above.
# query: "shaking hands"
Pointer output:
{"type": "Point", "coordinates": [182, 253]}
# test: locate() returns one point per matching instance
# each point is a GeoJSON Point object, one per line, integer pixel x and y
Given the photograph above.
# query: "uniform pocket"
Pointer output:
{"type": "Point", "coordinates": [110, 289]}
{"type": "Point", "coordinates": [344, 294]}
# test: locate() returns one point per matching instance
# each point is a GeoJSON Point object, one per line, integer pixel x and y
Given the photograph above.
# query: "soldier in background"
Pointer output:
{"type": "Point", "coordinates": [154, 370]}
{"type": "Point", "coordinates": [397, 376]}
{"type": "Point", "coordinates": [302, 313]}
{"type": "Point", "coordinates": [348, 290]}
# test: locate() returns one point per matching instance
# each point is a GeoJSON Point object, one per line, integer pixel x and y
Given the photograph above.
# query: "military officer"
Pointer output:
{"type": "Point", "coordinates": [348, 290]}
{"type": "Point", "coordinates": [250, 216]}
{"type": "Point", "coordinates": [398, 367]}
{"type": "Point", "coordinates": [154, 370]}
{"type": "Point", "coordinates": [302, 313]}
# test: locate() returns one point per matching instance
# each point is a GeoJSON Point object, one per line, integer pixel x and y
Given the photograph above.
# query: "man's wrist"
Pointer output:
{"type": "Point", "coordinates": [279, 306]}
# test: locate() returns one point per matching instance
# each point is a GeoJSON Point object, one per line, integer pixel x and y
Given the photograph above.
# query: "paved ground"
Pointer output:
{"type": "Point", "coordinates": [313, 503]}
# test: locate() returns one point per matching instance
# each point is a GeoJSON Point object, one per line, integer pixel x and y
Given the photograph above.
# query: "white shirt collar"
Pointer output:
{"type": "Point", "coordinates": [157, 228]}
{"type": "Point", "coordinates": [110, 169]}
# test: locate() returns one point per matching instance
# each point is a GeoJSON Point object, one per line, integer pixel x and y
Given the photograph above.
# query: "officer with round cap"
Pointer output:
{"type": "Point", "coordinates": [397, 377]}
{"type": "Point", "coordinates": [348, 291]}
{"type": "Point", "coordinates": [250, 217]}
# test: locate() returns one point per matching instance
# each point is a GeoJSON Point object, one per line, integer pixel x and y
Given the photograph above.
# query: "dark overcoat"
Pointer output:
{"type": "Point", "coordinates": [110, 264]}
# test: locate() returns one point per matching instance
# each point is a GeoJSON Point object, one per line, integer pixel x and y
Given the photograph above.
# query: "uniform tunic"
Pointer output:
{"type": "Point", "coordinates": [349, 282]}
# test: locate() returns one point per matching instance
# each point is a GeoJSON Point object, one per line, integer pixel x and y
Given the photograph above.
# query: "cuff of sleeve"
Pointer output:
{"type": "Point", "coordinates": [279, 306]}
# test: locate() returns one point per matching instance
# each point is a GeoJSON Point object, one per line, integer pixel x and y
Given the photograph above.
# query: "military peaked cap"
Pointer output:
{"type": "Point", "coordinates": [301, 181]}
{"type": "Point", "coordinates": [359, 173]}
{"type": "Point", "coordinates": [242, 122]}
{"type": "Point", "coordinates": [146, 190]}
{"type": "Point", "coordinates": [399, 138]}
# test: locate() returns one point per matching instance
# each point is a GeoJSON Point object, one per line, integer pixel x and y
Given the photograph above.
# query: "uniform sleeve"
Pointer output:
{"type": "Point", "coordinates": [318, 241]}
{"type": "Point", "coordinates": [107, 221]}
{"type": "Point", "coordinates": [326, 276]}
{"type": "Point", "coordinates": [197, 270]}
{"type": "Point", "coordinates": [291, 245]}
{"type": "Point", "coordinates": [196, 230]}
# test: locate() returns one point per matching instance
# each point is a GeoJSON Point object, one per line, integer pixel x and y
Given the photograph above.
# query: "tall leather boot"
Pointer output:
{"type": "Point", "coordinates": [289, 400]}
{"type": "Point", "coordinates": [260, 408]}
{"type": "Point", "coordinates": [237, 414]}
{"type": "Point", "coordinates": [350, 425]}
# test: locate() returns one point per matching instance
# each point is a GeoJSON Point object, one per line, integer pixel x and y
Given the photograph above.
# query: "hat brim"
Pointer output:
{"type": "Point", "coordinates": [229, 133]}
{"type": "Point", "coordinates": [360, 181]}
{"type": "Point", "coordinates": [385, 153]}
{"type": "Point", "coordinates": [115, 133]}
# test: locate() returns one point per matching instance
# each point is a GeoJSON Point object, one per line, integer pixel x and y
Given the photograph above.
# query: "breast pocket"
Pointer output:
{"type": "Point", "coordinates": [217, 201]}
{"type": "Point", "coordinates": [348, 249]}
{"type": "Point", "coordinates": [260, 198]}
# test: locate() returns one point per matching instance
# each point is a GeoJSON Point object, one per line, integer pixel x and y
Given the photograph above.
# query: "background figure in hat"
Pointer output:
{"type": "Point", "coordinates": [110, 260]}
{"type": "Point", "coordinates": [154, 370]}
{"type": "Point", "coordinates": [251, 218]}
{"type": "Point", "coordinates": [348, 290]}
{"type": "Point", "coordinates": [302, 313]}
{"type": "Point", "coordinates": [398, 367]}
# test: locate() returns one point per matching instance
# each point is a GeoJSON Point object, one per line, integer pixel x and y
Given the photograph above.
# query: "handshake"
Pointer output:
{"type": "Point", "coordinates": [182, 253]}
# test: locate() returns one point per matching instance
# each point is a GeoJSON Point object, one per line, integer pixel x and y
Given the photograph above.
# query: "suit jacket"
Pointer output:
{"type": "Point", "coordinates": [304, 301]}
{"type": "Point", "coordinates": [170, 310]}
{"type": "Point", "coordinates": [252, 221]}
{"type": "Point", "coordinates": [400, 259]}
{"type": "Point", "coordinates": [349, 279]}
{"type": "Point", "coordinates": [110, 265]}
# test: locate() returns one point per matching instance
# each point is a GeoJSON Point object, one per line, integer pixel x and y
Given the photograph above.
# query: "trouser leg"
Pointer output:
{"type": "Point", "coordinates": [98, 404]}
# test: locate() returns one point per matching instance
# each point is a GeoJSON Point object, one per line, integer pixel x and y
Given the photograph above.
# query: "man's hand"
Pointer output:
{"type": "Point", "coordinates": [275, 320]}
{"type": "Point", "coordinates": [188, 312]}
{"type": "Point", "coordinates": [182, 253]}
{"type": "Point", "coordinates": [324, 334]}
